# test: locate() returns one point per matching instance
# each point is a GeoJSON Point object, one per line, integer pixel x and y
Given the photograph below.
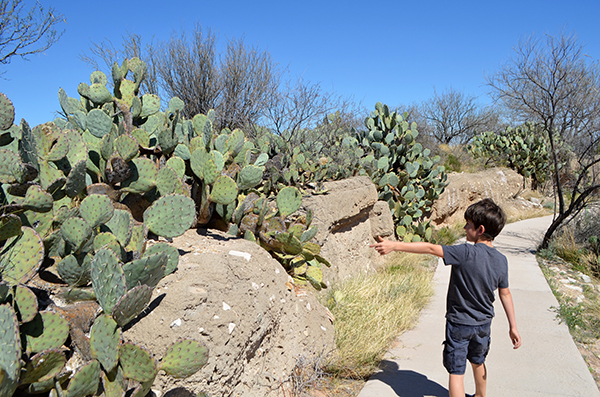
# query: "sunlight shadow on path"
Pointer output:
{"type": "Point", "coordinates": [408, 383]}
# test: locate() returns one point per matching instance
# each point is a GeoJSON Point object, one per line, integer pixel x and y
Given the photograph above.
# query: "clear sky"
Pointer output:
{"type": "Point", "coordinates": [395, 52]}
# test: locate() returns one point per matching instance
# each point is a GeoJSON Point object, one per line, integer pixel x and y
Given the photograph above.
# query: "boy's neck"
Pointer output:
{"type": "Point", "coordinates": [484, 241]}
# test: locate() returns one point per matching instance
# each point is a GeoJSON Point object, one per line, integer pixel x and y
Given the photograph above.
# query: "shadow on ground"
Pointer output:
{"type": "Point", "coordinates": [408, 383]}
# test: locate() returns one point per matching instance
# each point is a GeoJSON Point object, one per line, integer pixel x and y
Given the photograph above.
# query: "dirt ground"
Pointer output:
{"type": "Point", "coordinates": [575, 289]}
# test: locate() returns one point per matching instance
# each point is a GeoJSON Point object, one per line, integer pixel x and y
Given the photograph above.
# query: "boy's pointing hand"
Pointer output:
{"type": "Point", "coordinates": [383, 246]}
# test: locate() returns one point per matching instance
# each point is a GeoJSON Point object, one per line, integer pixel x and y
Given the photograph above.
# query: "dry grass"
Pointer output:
{"type": "Point", "coordinates": [372, 310]}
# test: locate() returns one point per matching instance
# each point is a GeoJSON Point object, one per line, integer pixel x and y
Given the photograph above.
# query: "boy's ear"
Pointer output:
{"type": "Point", "coordinates": [480, 230]}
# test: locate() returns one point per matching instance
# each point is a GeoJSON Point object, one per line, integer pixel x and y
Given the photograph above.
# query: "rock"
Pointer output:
{"type": "Point", "coordinates": [499, 184]}
{"type": "Point", "coordinates": [585, 278]}
{"type": "Point", "coordinates": [232, 295]}
{"type": "Point", "coordinates": [349, 217]}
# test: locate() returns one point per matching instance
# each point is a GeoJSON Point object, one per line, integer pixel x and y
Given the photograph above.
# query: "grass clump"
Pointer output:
{"type": "Point", "coordinates": [448, 235]}
{"type": "Point", "coordinates": [372, 310]}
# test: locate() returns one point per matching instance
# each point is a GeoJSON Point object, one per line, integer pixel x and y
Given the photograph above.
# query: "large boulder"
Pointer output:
{"type": "Point", "coordinates": [349, 218]}
{"type": "Point", "coordinates": [502, 185]}
{"type": "Point", "coordinates": [232, 295]}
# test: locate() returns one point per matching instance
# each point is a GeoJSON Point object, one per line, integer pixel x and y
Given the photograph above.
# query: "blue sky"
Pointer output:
{"type": "Point", "coordinates": [394, 52]}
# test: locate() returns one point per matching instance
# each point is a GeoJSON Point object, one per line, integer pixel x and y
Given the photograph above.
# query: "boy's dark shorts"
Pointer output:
{"type": "Point", "coordinates": [465, 342]}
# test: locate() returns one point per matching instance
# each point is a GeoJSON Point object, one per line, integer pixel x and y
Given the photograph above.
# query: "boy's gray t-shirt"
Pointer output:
{"type": "Point", "coordinates": [477, 271]}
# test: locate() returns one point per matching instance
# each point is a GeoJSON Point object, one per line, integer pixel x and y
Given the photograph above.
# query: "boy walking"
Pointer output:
{"type": "Point", "coordinates": [477, 271]}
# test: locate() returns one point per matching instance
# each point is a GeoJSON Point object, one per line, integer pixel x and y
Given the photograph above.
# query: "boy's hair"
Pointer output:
{"type": "Point", "coordinates": [488, 214]}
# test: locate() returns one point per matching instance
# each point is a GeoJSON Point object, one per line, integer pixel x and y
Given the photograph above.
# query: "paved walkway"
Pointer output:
{"type": "Point", "coordinates": [547, 364]}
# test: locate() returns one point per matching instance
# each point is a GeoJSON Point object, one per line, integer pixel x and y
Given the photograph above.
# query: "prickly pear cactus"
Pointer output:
{"type": "Point", "coordinates": [406, 175]}
{"type": "Point", "coordinates": [11, 351]}
{"type": "Point", "coordinates": [68, 205]}
{"type": "Point", "coordinates": [522, 148]}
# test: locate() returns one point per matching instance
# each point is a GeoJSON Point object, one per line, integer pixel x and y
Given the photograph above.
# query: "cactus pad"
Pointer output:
{"type": "Point", "coordinates": [120, 225]}
{"type": "Point", "coordinates": [76, 179]}
{"type": "Point", "coordinates": [137, 363]}
{"type": "Point", "coordinates": [10, 226]}
{"type": "Point", "coordinates": [178, 165]}
{"type": "Point", "coordinates": [73, 272]}
{"type": "Point", "coordinates": [224, 190]}
{"type": "Point", "coordinates": [7, 113]}
{"type": "Point", "coordinates": [11, 168]}
{"type": "Point", "coordinates": [132, 304]}
{"type": "Point", "coordinates": [184, 358]}
{"type": "Point", "coordinates": [138, 239]}
{"type": "Point", "coordinates": [171, 252]}
{"type": "Point", "coordinates": [210, 169]}
{"type": "Point", "coordinates": [150, 105]}
{"type": "Point", "coordinates": [167, 181]}
{"type": "Point", "coordinates": [148, 270]}
{"type": "Point", "coordinates": [96, 209]}
{"type": "Point", "coordinates": [36, 199]}
{"type": "Point", "coordinates": [43, 366]}
{"type": "Point", "coordinates": [127, 147]}
{"type": "Point", "coordinates": [75, 231]}
{"type": "Point", "coordinates": [51, 179]}
{"type": "Point", "coordinates": [112, 382]}
{"type": "Point", "coordinates": [11, 351]}
{"type": "Point", "coordinates": [143, 176]}
{"type": "Point", "coordinates": [48, 330]}
{"type": "Point", "coordinates": [26, 303]}
{"type": "Point", "coordinates": [308, 234]}
{"type": "Point", "coordinates": [21, 257]}
{"type": "Point", "coordinates": [250, 176]}
{"type": "Point", "coordinates": [105, 337]}
{"type": "Point", "coordinates": [289, 201]}
{"type": "Point", "coordinates": [170, 216]}
{"type": "Point", "coordinates": [85, 381]}
{"type": "Point", "coordinates": [108, 279]}
{"type": "Point", "coordinates": [199, 156]}
{"type": "Point", "coordinates": [107, 240]}
{"type": "Point", "coordinates": [99, 123]}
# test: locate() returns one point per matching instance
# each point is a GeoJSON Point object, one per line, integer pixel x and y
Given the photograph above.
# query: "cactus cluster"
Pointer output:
{"type": "Point", "coordinates": [63, 212]}
{"type": "Point", "coordinates": [407, 176]}
{"type": "Point", "coordinates": [523, 149]}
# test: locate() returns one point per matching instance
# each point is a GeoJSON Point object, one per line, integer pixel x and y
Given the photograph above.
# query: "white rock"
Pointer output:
{"type": "Point", "coordinates": [231, 327]}
{"type": "Point", "coordinates": [241, 254]}
{"type": "Point", "coordinates": [176, 323]}
{"type": "Point", "coordinates": [586, 278]}
{"type": "Point", "coordinates": [575, 288]}
{"type": "Point", "coordinates": [226, 306]}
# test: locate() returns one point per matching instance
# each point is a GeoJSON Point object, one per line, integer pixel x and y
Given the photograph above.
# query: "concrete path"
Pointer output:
{"type": "Point", "coordinates": [547, 364]}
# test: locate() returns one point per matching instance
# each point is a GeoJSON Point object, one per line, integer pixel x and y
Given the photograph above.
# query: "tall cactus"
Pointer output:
{"type": "Point", "coordinates": [406, 175]}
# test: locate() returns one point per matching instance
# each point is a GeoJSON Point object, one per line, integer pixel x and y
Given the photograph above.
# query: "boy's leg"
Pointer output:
{"type": "Point", "coordinates": [455, 357]}
{"type": "Point", "coordinates": [480, 375]}
{"type": "Point", "coordinates": [456, 385]}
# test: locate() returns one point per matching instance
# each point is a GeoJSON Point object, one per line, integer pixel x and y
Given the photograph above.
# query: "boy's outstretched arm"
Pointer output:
{"type": "Point", "coordinates": [386, 246]}
{"type": "Point", "coordinates": [509, 309]}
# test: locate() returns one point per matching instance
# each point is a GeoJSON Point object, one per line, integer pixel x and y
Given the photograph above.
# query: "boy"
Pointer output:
{"type": "Point", "coordinates": [477, 270]}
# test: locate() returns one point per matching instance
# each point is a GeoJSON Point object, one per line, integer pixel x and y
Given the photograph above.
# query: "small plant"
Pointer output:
{"type": "Point", "coordinates": [452, 163]}
{"type": "Point", "coordinates": [448, 235]}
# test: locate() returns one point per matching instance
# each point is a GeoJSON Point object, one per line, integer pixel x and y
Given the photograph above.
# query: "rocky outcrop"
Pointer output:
{"type": "Point", "coordinates": [349, 217]}
{"type": "Point", "coordinates": [502, 185]}
{"type": "Point", "coordinates": [232, 295]}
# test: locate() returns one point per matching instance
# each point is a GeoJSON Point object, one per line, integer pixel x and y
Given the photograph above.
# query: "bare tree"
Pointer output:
{"type": "Point", "coordinates": [297, 106]}
{"type": "Point", "coordinates": [454, 117]}
{"type": "Point", "coordinates": [551, 83]}
{"type": "Point", "coordinates": [188, 68]}
{"type": "Point", "coordinates": [239, 84]}
{"type": "Point", "coordinates": [25, 32]}
{"type": "Point", "coordinates": [132, 46]}
{"type": "Point", "coordinates": [249, 80]}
